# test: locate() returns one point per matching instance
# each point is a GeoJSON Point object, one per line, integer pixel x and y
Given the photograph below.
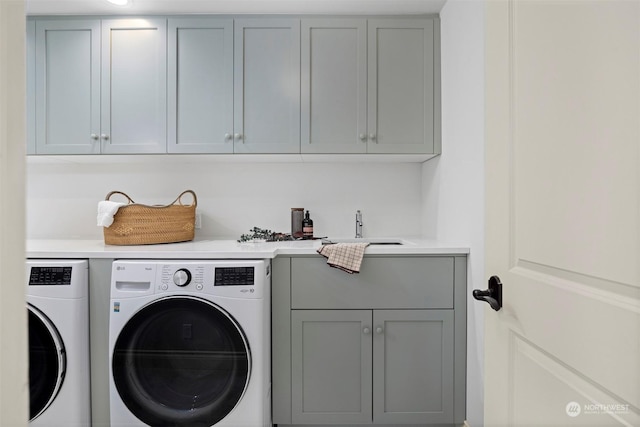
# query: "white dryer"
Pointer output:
{"type": "Point", "coordinates": [189, 343]}
{"type": "Point", "coordinates": [57, 294]}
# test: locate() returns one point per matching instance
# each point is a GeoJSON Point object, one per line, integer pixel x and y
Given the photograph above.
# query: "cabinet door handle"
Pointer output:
{"type": "Point", "coordinates": [238, 136]}
{"type": "Point", "coordinates": [104, 136]}
{"type": "Point", "coordinates": [366, 330]}
{"type": "Point", "coordinates": [94, 136]}
{"type": "Point", "coordinates": [227, 136]}
{"type": "Point", "coordinates": [363, 137]}
{"type": "Point", "coordinates": [379, 330]}
{"type": "Point", "coordinates": [372, 136]}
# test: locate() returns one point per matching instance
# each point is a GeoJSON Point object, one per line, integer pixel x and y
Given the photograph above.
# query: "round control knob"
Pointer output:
{"type": "Point", "coordinates": [182, 277]}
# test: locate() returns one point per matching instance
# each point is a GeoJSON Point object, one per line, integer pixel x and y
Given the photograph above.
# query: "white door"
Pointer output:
{"type": "Point", "coordinates": [563, 213]}
{"type": "Point", "coordinates": [14, 368]}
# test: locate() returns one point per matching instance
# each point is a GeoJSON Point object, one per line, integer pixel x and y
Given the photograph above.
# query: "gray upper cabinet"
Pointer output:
{"type": "Point", "coordinates": [200, 78]}
{"type": "Point", "coordinates": [267, 86]}
{"type": "Point", "coordinates": [370, 86]}
{"type": "Point", "coordinates": [31, 86]}
{"type": "Point", "coordinates": [234, 86]}
{"type": "Point", "coordinates": [134, 86]}
{"type": "Point", "coordinates": [334, 86]}
{"type": "Point", "coordinates": [67, 87]}
{"type": "Point", "coordinates": [100, 86]}
{"type": "Point", "coordinates": [404, 86]}
{"type": "Point", "coordinates": [325, 85]}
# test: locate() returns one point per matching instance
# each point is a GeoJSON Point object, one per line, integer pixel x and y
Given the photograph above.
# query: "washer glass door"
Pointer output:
{"type": "Point", "coordinates": [181, 361]}
{"type": "Point", "coordinates": [47, 362]}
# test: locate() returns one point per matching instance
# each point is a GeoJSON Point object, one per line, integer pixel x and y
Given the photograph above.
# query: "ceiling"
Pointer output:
{"type": "Point", "coordinates": [137, 7]}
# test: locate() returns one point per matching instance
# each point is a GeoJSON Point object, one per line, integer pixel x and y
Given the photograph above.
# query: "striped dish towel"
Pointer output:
{"type": "Point", "coordinates": [344, 256]}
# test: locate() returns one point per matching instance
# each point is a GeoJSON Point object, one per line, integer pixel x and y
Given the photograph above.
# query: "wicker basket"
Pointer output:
{"type": "Point", "coordinates": [138, 224]}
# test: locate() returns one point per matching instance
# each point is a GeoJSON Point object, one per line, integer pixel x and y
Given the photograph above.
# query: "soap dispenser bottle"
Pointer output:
{"type": "Point", "coordinates": [307, 227]}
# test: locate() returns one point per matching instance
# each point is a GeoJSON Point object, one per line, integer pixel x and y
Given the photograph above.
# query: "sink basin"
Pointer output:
{"type": "Point", "coordinates": [371, 241]}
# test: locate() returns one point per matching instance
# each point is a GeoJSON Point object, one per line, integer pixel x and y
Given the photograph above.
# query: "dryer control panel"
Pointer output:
{"type": "Point", "coordinates": [226, 278]}
{"type": "Point", "coordinates": [234, 276]}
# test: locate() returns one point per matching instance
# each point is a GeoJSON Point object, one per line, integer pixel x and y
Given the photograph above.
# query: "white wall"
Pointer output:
{"type": "Point", "coordinates": [453, 184]}
{"type": "Point", "coordinates": [232, 197]}
{"type": "Point", "coordinates": [14, 385]}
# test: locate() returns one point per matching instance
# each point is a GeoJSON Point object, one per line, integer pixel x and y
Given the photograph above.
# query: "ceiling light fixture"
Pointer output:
{"type": "Point", "coordinates": [119, 2]}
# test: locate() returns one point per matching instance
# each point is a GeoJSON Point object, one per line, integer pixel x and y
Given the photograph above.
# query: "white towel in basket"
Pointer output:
{"type": "Point", "coordinates": [106, 210]}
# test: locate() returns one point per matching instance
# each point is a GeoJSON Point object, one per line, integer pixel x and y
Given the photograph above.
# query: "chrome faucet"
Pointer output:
{"type": "Point", "coordinates": [358, 224]}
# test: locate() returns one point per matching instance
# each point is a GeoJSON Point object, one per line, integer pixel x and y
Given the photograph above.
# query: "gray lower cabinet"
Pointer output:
{"type": "Point", "coordinates": [386, 346]}
{"type": "Point", "coordinates": [335, 352]}
{"type": "Point", "coordinates": [331, 363]}
{"type": "Point", "coordinates": [413, 366]}
{"type": "Point", "coordinates": [100, 86]}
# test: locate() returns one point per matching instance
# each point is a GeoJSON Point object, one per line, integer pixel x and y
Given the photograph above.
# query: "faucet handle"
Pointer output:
{"type": "Point", "coordinates": [358, 224]}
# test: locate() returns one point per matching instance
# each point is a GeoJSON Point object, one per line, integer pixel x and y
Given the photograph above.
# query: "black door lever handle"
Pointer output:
{"type": "Point", "coordinates": [493, 295]}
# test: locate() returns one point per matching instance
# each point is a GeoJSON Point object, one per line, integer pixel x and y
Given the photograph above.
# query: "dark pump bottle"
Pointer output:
{"type": "Point", "coordinates": [307, 226]}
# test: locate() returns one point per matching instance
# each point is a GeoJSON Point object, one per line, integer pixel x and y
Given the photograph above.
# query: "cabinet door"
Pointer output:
{"type": "Point", "coordinates": [334, 86]}
{"type": "Point", "coordinates": [331, 366]}
{"type": "Point", "coordinates": [413, 354]}
{"type": "Point", "coordinates": [31, 86]}
{"type": "Point", "coordinates": [67, 87]}
{"type": "Point", "coordinates": [134, 86]}
{"type": "Point", "coordinates": [200, 82]}
{"type": "Point", "coordinates": [267, 86]}
{"type": "Point", "coordinates": [403, 85]}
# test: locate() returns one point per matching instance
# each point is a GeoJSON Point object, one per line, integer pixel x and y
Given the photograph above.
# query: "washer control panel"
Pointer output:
{"type": "Point", "coordinates": [231, 278]}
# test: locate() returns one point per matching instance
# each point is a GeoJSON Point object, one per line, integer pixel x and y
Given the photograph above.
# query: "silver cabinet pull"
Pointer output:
{"type": "Point", "coordinates": [363, 137]}
{"type": "Point", "coordinates": [94, 136]}
{"type": "Point", "coordinates": [366, 330]}
{"type": "Point", "coordinates": [238, 136]}
{"type": "Point", "coordinates": [379, 330]}
{"type": "Point", "coordinates": [227, 136]}
{"type": "Point", "coordinates": [104, 136]}
{"type": "Point", "coordinates": [372, 136]}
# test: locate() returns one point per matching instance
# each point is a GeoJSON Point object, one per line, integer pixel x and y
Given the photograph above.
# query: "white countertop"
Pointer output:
{"type": "Point", "coordinates": [222, 249]}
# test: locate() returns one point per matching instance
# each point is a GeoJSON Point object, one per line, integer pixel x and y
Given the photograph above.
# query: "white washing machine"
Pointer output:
{"type": "Point", "coordinates": [189, 343]}
{"type": "Point", "coordinates": [57, 294]}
